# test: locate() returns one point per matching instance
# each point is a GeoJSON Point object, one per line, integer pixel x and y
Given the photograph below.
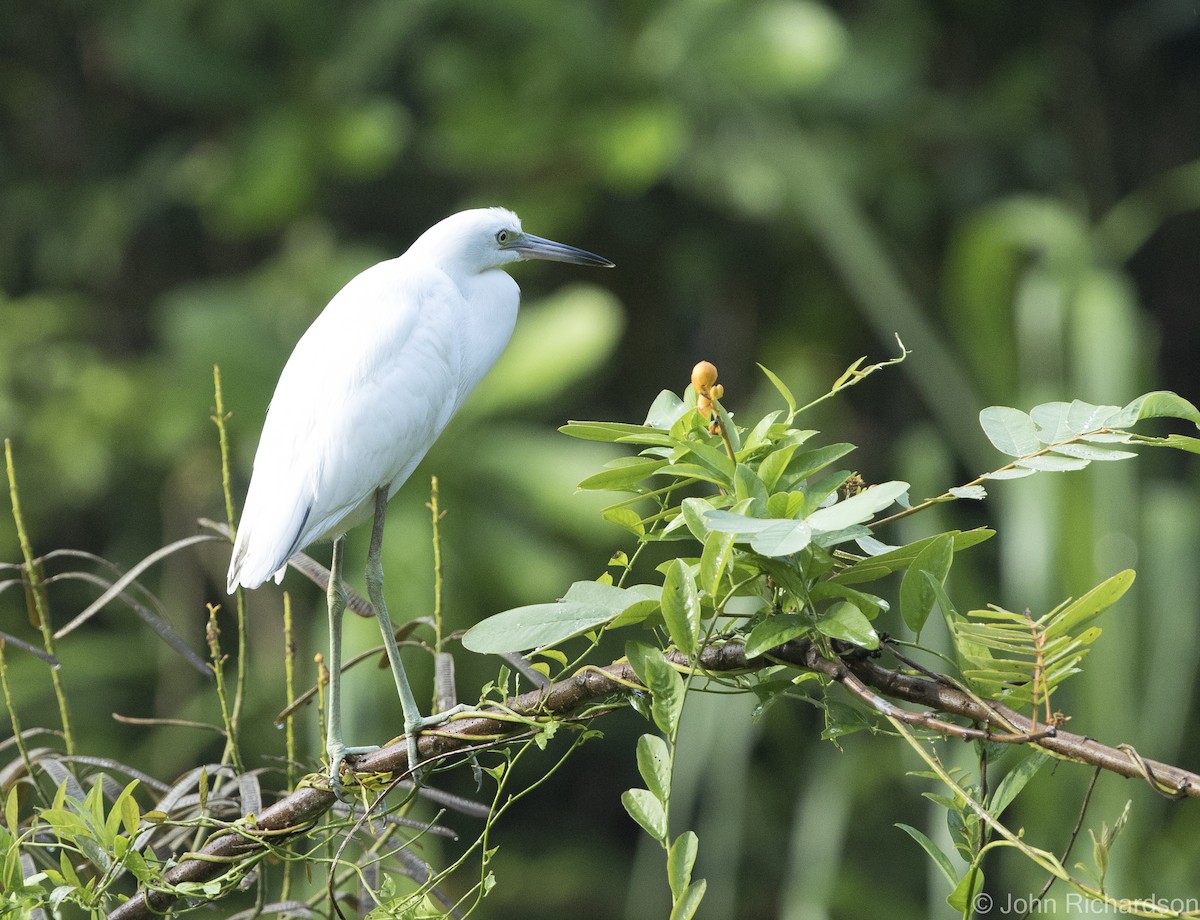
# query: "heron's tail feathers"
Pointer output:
{"type": "Point", "coordinates": [257, 558]}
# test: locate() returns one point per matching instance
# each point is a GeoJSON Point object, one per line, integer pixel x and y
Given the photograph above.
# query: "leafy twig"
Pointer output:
{"type": "Point", "coordinates": [299, 810]}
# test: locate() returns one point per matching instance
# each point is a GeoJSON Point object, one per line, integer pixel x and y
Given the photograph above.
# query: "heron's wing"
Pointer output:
{"type": "Point", "coordinates": [364, 394]}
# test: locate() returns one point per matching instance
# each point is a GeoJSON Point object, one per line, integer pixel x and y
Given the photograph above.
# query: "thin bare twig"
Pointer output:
{"type": "Point", "coordinates": [1087, 799]}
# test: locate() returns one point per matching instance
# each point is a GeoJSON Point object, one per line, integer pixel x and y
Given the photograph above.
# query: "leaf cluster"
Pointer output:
{"type": "Point", "coordinates": [774, 540]}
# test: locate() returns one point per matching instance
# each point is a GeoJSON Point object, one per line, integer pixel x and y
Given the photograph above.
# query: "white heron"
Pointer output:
{"type": "Point", "coordinates": [366, 392]}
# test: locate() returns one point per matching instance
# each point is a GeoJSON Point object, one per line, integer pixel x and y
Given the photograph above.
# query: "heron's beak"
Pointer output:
{"type": "Point", "coordinates": [534, 247]}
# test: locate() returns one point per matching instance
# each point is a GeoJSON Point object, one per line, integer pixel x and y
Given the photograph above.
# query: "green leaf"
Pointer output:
{"type": "Point", "coordinates": [962, 898]}
{"type": "Point", "coordinates": [667, 688]}
{"type": "Point", "coordinates": [917, 595]}
{"type": "Point", "coordinates": [694, 471]}
{"type": "Point", "coordinates": [625, 517]}
{"type": "Point", "coordinates": [1159, 404]}
{"type": "Point", "coordinates": [808, 462]}
{"type": "Point", "coordinates": [643, 600]}
{"type": "Point", "coordinates": [876, 567]}
{"type": "Point", "coordinates": [647, 811]}
{"type": "Point", "coordinates": [68, 870]}
{"type": "Point", "coordinates": [535, 625]}
{"type": "Point", "coordinates": [1050, 463]}
{"type": "Point", "coordinates": [869, 604]}
{"type": "Point", "coordinates": [137, 865]}
{"type": "Point", "coordinates": [1078, 612]}
{"type": "Point", "coordinates": [748, 487]}
{"type": "Point", "coordinates": [772, 466]}
{"type": "Point", "coordinates": [1088, 452]}
{"type": "Point", "coordinates": [685, 908]}
{"type": "Point", "coordinates": [976, 493]}
{"type": "Point", "coordinates": [94, 804]}
{"type": "Point", "coordinates": [940, 859]}
{"type": "Point", "coordinates": [771, 537]}
{"type": "Point", "coordinates": [731, 431]}
{"type": "Point", "coordinates": [681, 606]}
{"type": "Point", "coordinates": [781, 538]}
{"type": "Point", "coordinates": [713, 459]}
{"type": "Point", "coordinates": [1099, 854]}
{"type": "Point", "coordinates": [816, 493]}
{"type": "Point", "coordinates": [1177, 441]}
{"type": "Point", "coordinates": [1083, 417]}
{"type": "Point", "coordinates": [621, 432]}
{"type": "Point", "coordinates": [623, 474]}
{"type": "Point", "coordinates": [681, 859]}
{"type": "Point", "coordinates": [1061, 421]}
{"type": "Point", "coordinates": [785, 505]}
{"type": "Point", "coordinates": [1010, 473]}
{"type": "Point", "coordinates": [775, 630]}
{"type": "Point", "coordinates": [846, 622]}
{"type": "Point", "coordinates": [718, 550]}
{"type": "Point", "coordinates": [858, 508]}
{"type": "Point", "coordinates": [11, 874]}
{"type": "Point", "coordinates": [692, 510]}
{"type": "Point", "coordinates": [665, 411]}
{"type": "Point", "coordinates": [1051, 421]}
{"type": "Point", "coordinates": [12, 810]}
{"type": "Point", "coordinates": [966, 650]}
{"type": "Point", "coordinates": [96, 854]}
{"type": "Point", "coordinates": [639, 655]}
{"type": "Point", "coordinates": [760, 434]}
{"type": "Point", "coordinates": [781, 387]}
{"type": "Point", "coordinates": [654, 763]}
{"type": "Point", "coordinates": [1010, 430]}
{"type": "Point", "coordinates": [126, 809]}
{"type": "Point", "coordinates": [1016, 779]}
{"type": "Point", "coordinates": [610, 597]}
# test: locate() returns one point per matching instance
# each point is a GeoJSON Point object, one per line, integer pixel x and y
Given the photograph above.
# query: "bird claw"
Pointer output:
{"type": "Point", "coordinates": [412, 733]}
{"type": "Point", "coordinates": [411, 736]}
{"type": "Point", "coordinates": [337, 754]}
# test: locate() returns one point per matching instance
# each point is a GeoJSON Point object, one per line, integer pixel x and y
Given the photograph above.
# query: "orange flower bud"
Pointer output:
{"type": "Point", "coordinates": [704, 406]}
{"type": "Point", "coordinates": [704, 375]}
{"type": "Point", "coordinates": [717, 391]}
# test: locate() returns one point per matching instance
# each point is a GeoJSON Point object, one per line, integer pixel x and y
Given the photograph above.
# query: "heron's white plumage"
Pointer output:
{"type": "Point", "coordinates": [375, 380]}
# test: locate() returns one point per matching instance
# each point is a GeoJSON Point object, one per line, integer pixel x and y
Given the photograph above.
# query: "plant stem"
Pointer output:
{"type": "Point", "coordinates": [436, 515]}
{"type": "Point", "coordinates": [218, 668]}
{"type": "Point", "coordinates": [12, 714]}
{"type": "Point", "coordinates": [289, 673]}
{"type": "Point", "coordinates": [219, 418]}
{"type": "Point", "coordinates": [36, 598]}
{"type": "Point", "coordinates": [980, 480]}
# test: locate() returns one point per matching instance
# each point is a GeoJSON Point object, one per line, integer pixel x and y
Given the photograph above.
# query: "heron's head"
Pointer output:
{"type": "Point", "coordinates": [485, 238]}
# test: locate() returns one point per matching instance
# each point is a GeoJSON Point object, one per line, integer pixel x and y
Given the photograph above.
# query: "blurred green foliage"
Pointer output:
{"type": "Point", "coordinates": [1011, 187]}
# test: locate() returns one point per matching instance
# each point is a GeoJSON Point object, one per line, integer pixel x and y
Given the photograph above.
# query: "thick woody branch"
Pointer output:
{"type": "Point", "coordinates": [864, 677]}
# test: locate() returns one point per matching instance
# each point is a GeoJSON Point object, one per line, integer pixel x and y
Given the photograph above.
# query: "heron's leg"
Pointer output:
{"type": "Point", "coordinates": [413, 721]}
{"type": "Point", "coordinates": [336, 599]}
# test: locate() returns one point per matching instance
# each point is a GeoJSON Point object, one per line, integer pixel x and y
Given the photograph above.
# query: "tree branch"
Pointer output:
{"type": "Point", "coordinates": [862, 676]}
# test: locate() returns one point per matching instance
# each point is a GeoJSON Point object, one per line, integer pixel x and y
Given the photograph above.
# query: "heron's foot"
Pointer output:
{"type": "Point", "coordinates": [337, 753]}
{"type": "Point", "coordinates": [413, 729]}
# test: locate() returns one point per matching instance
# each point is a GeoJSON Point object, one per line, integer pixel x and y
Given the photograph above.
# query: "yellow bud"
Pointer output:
{"type": "Point", "coordinates": [704, 406]}
{"type": "Point", "coordinates": [704, 375]}
{"type": "Point", "coordinates": [717, 391]}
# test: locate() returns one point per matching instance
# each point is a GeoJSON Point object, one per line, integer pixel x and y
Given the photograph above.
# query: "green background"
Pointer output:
{"type": "Point", "coordinates": [1009, 187]}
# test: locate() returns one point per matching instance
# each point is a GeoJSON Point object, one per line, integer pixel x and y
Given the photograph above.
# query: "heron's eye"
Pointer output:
{"type": "Point", "coordinates": [502, 237]}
